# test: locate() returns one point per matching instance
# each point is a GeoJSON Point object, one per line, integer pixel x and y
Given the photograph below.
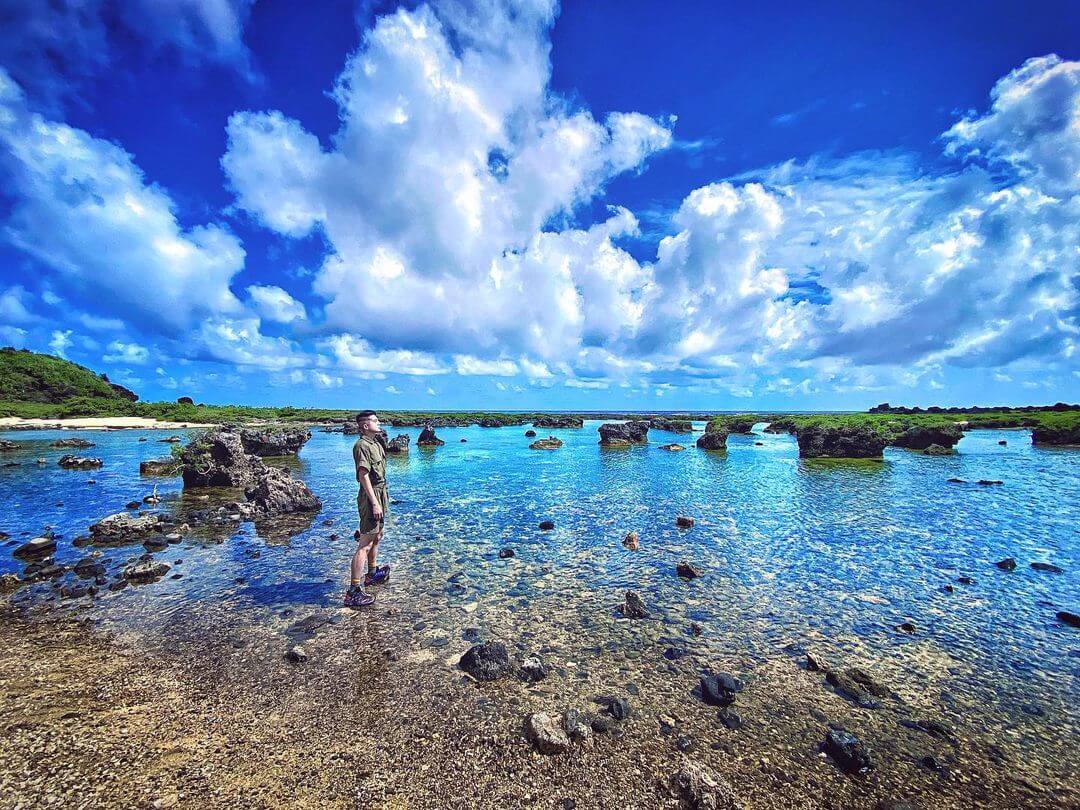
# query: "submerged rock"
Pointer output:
{"type": "Point", "coordinates": [1008, 564]}
{"type": "Point", "coordinates": [713, 439]}
{"type": "Point", "coordinates": [8, 447]}
{"type": "Point", "coordinates": [720, 689]}
{"type": "Point", "coordinates": [486, 662]}
{"type": "Point", "coordinates": [845, 441]}
{"type": "Point", "coordinates": [847, 751]}
{"type": "Point", "coordinates": [856, 685]}
{"type": "Point", "coordinates": [631, 541]}
{"type": "Point", "coordinates": [505, 553]}
{"type": "Point", "coordinates": [124, 527]}
{"type": "Point", "coordinates": [684, 522]}
{"type": "Point", "coordinates": [672, 447]}
{"type": "Point", "coordinates": [550, 443]}
{"type": "Point", "coordinates": [296, 655]}
{"type": "Point", "coordinates": [547, 525]}
{"type": "Point", "coordinates": [624, 434]}
{"type": "Point", "coordinates": [699, 788]}
{"type": "Point", "coordinates": [938, 450]}
{"type": "Point", "coordinates": [533, 669]}
{"type": "Point", "coordinates": [633, 607]}
{"type": "Point", "coordinates": [545, 734]}
{"type": "Point", "coordinates": [427, 438]}
{"type": "Point", "coordinates": [70, 462]}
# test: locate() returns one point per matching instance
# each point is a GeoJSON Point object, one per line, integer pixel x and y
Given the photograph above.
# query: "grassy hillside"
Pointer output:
{"type": "Point", "coordinates": [41, 378]}
{"type": "Point", "coordinates": [891, 425]}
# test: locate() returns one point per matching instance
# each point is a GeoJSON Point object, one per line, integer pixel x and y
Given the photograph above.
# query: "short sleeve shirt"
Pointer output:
{"type": "Point", "coordinates": [370, 455]}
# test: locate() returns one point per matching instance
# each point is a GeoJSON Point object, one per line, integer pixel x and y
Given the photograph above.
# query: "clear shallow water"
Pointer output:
{"type": "Point", "coordinates": [797, 554]}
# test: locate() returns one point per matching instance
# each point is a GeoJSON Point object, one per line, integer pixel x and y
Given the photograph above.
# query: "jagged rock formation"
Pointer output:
{"type": "Point", "coordinates": [624, 434]}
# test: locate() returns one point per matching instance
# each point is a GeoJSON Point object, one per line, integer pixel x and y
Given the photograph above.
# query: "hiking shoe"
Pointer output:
{"type": "Point", "coordinates": [357, 597]}
{"type": "Point", "coordinates": [377, 577]}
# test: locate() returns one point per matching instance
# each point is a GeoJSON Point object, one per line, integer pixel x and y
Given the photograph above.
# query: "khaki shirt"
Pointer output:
{"type": "Point", "coordinates": [369, 455]}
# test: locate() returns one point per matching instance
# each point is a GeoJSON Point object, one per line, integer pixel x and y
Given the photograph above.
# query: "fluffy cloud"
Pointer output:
{"type": "Point", "coordinates": [119, 352]}
{"type": "Point", "coordinates": [434, 196]}
{"type": "Point", "coordinates": [83, 208]}
{"type": "Point", "coordinates": [274, 304]}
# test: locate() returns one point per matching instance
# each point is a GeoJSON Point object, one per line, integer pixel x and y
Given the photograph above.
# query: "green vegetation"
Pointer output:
{"type": "Point", "coordinates": [891, 425]}
{"type": "Point", "coordinates": [27, 377]}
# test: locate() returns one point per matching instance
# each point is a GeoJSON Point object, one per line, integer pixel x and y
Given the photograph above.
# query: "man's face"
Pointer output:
{"type": "Point", "coordinates": [371, 424]}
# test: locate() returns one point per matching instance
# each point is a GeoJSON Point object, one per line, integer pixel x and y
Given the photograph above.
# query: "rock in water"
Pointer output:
{"type": "Point", "coordinates": [672, 425]}
{"type": "Point", "coordinates": [81, 444]}
{"type": "Point", "coordinates": [545, 733]}
{"type": "Point", "coordinates": [847, 752]}
{"type": "Point", "coordinates": [8, 447]}
{"type": "Point", "coordinates": [399, 445]}
{"type": "Point", "coordinates": [38, 547]}
{"type": "Point", "coordinates": [720, 689]}
{"type": "Point", "coordinates": [533, 669]}
{"type": "Point", "coordinates": [550, 443]}
{"type": "Point", "coordinates": [276, 492]}
{"type": "Point", "coordinates": [684, 522]}
{"type": "Point", "coordinates": [624, 434]}
{"type": "Point", "coordinates": [687, 570]}
{"type": "Point", "coordinates": [699, 788]}
{"type": "Point", "coordinates": [146, 571]}
{"type": "Point", "coordinates": [938, 450]}
{"type": "Point", "coordinates": [857, 685]}
{"type": "Point", "coordinates": [1048, 567]}
{"type": "Point", "coordinates": [631, 541]}
{"type": "Point", "coordinates": [427, 438]}
{"type": "Point", "coordinates": [160, 466]}
{"type": "Point", "coordinates": [633, 607]}
{"type": "Point", "coordinates": [672, 447]}
{"type": "Point", "coordinates": [558, 421]}
{"type": "Point", "coordinates": [921, 437]}
{"type": "Point", "coordinates": [1008, 564]}
{"type": "Point", "coordinates": [70, 462]}
{"type": "Point", "coordinates": [547, 525]}
{"type": "Point", "coordinates": [124, 527]}
{"type": "Point", "coordinates": [529, 434]}
{"type": "Point", "coordinates": [1063, 435]}
{"type": "Point", "coordinates": [486, 662]}
{"type": "Point", "coordinates": [846, 441]}
{"type": "Point", "coordinates": [713, 439]}
{"type": "Point", "coordinates": [506, 553]}
{"type": "Point", "coordinates": [1069, 618]}
{"type": "Point", "coordinates": [274, 440]}
{"type": "Point", "coordinates": [217, 459]}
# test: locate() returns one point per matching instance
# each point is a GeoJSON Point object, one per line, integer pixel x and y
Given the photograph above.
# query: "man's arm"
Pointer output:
{"type": "Point", "coordinates": [365, 482]}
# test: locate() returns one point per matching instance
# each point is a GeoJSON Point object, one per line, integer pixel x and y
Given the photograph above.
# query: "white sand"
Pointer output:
{"type": "Point", "coordinates": [95, 423]}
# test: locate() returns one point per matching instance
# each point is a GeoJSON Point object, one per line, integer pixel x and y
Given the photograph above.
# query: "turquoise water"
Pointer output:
{"type": "Point", "coordinates": [795, 553]}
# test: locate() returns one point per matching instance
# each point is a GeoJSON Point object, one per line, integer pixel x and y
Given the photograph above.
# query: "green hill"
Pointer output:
{"type": "Point", "coordinates": [29, 377]}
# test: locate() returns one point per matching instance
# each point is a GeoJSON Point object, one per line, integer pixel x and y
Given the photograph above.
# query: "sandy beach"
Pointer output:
{"type": "Point", "coordinates": [95, 423]}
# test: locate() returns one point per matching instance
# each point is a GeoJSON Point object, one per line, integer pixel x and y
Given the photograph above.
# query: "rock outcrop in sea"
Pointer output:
{"type": "Point", "coordinates": [671, 425]}
{"type": "Point", "coordinates": [558, 421]}
{"type": "Point", "coordinates": [70, 462]}
{"type": "Point", "coordinates": [550, 443]}
{"type": "Point", "coordinates": [624, 434]}
{"type": "Point", "coordinates": [274, 440]}
{"type": "Point", "coordinates": [714, 438]}
{"type": "Point", "coordinates": [1065, 435]}
{"type": "Point", "coordinates": [398, 446]}
{"type": "Point", "coordinates": [844, 441]}
{"type": "Point", "coordinates": [921, 437]}
{"type": "Point", "coordinates": [427, 438]}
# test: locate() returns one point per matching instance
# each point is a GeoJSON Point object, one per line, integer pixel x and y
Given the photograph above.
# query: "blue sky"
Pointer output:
{"type": "Point", "coordinates": [516, 205]}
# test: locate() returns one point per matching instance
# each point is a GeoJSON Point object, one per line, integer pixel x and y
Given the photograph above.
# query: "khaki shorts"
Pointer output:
{"type": "Point", "coordinates": [368, 523]}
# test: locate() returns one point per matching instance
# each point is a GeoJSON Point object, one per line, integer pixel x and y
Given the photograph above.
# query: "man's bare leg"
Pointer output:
{"type": "Point", "coordinates": [364, 545]}
{"type": "Point", "coordinates": [373, 550]}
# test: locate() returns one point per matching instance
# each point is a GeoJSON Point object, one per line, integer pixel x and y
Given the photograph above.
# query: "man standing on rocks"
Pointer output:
{"type": "Point", "coordinates": [369, 456]}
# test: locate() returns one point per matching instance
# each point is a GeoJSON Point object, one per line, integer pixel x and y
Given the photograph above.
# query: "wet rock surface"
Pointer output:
{"type": "Point", "coordinates": [633, 607]}
{"type": "Point", "coordinates": [550, 443]}
{"type": "Point", "coordinates": [817, 441]}
{"type": "Point", "coordinates": [546, 734]}
{"type": "Point", "coordinates": [71, 462]}
{"type": "Point", "coordinates": [160, 466]}
{"type": "Point", "coordinates": [624, 434]}
{"type": "Point", "coordinates": [399, 445]}
{"type": "Point", "coordinates": [487, 662]}
{"type": "Point", "coordinates": [274, 440]}
{"type": "Point", "coordinates": [672, 425]}
{"type": "Point", "coordinates": [558, 421]}
{"type": "Point", "coordinates": [77, 443]}
{"type": "Point", "coordinates": [427, 438]}
{"type": "Point", "coordinates": [922, 437]}
{"type": "Point", "coordinates": [217, 459]}
{"type": "Point", "coordinates": [276, 492]}
{"type": "Point", "coordinates": [713, 439]}
{"type": "Point", "coordinates": [847, 751]}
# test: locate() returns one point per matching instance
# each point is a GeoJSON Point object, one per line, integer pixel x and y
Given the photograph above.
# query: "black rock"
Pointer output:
{"type": "Point", "coordinates": [427, 438]}
{"type": "Point", "coordinates": [846, 441]}
{"type": "Point", "coordinates": [529, 434]}
{"type": "Point", "coordinates": [624, 434]}
{"type": "Point", "coordinates": [505, 553]}
{"type": "Point", "coordinates": [633, 607]}
{"type": "Point", "coordinates": [1066, 617]}
{"type": "Point", "coordinates": [720, 689]}
{"type": "Point", "coordinates": [729, 719]}
{"type": "Point", "coordinates": [847, 752]}
{"type": "Point", "coordinates": [965, 580]}
{"type": "Point", "coordinates": [1049, 567]}
{"type": "Point", "coordinates": [547, 525]}
{"type": "Point", "coordinates": [687, 570]}
{"type": "Point", "coordinates": [1008, 564]}
{"type": "Point", "coordinates": [713, 439]}
{"type": "Point", "coordinates": [907, 627]}
{"type": "Point", "coordinates": [533, 669]}
{"type": "Point", "coordinates": [857, 685]}
{"type": "Point", "coordinates": [923, 437]}
{"type": "Point", "coordinates": [486, 662]}
{"type": "Point", "coordinates": [603, 723]}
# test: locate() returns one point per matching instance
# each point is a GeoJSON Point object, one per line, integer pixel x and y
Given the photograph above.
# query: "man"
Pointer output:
{"type": "Point", "coordinates": [369, 456]}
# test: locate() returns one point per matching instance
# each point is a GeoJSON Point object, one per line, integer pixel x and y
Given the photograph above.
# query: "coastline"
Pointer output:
{"type": "Point", "coordinates": [96, 423]}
